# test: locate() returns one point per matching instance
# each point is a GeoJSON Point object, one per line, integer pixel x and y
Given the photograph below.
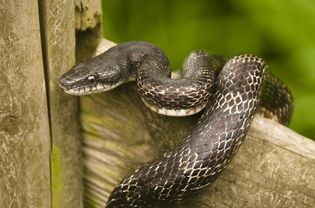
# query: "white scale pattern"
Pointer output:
{"type": "Point", "coordinates": [241, 87]}
{"type": "Point", "coordinates": [220, 131]}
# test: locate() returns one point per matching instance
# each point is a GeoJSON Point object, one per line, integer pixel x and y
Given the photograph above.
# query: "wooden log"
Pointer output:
{"type": "Point", "coordinates": [275, 167]}
{"type": "Point", "coordinates": [24, 125]}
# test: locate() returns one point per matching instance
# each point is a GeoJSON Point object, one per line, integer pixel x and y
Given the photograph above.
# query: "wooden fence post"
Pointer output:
{"type": "Point", "coordinates": [24, 120]}
{"type": "Point", "coordinates": [40, 138]}
{"type": "Point", "coordinates": [58, 38]}
{"type": "Point", "coordinates": [62, 20]}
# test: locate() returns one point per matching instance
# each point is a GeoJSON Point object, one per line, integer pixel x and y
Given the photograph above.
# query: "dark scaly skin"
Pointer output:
{"type": "Point", "coordinates": [149, 65]}
{"type": "Point", "coordinates": [188, 93]}
{"type": "Point", "coordinates": [276, 100]}
{"type": "Point", "coordinates": [240, 89]}
{"type": "Point", "coordinates": [204, 153]}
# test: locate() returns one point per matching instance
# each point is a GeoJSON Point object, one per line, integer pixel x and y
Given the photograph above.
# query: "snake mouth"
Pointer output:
{"type": "Point", "coordinates": [86, 90]}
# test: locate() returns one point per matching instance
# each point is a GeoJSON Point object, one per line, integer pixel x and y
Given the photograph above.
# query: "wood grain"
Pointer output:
{"type": "Point", "coordinates": [24, 123]}
{"type": "Point", "coordinates": [58, 42]}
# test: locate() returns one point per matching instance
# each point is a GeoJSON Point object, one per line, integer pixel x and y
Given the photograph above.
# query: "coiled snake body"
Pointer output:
{"type": "Point", "coordinates": [231, 92]}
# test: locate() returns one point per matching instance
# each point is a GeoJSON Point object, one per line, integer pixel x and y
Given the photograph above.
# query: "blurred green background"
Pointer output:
{"type": "Point", "coordinates": [282, 32]}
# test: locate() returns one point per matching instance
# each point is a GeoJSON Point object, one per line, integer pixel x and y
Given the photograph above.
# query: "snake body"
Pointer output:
{"type": "Point", "coordinates": [230, 91]}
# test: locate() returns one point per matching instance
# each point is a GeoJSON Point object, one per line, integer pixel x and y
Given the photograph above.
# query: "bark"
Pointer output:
{"type": "Point", "coordinates": [275, 167]}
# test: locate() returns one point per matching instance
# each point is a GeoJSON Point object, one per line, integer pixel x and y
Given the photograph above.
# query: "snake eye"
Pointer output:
{"type": "Point", "coordinates": [92, 78]}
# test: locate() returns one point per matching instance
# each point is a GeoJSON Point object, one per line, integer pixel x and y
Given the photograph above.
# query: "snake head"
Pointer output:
{"type": "Point", "coordinates": [92, 76]}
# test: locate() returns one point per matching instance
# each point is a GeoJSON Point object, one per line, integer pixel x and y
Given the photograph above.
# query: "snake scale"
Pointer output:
{"type": "Point", "coordinates": [230, 92]}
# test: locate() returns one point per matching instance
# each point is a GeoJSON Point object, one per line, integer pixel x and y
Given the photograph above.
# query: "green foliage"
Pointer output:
{"type": "Point", "coordinates": [282, 32]}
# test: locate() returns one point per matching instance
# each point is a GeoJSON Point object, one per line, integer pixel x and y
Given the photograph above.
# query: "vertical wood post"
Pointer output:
{"type": "Point", "coordinates": [40, 153]}
{"type": "Point", "coordinates": [24, 122]}
{"type": "Point", "coordinates": [58, 35]}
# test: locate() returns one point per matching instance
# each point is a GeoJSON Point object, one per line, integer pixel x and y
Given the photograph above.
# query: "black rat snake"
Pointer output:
{"type": "Point", "coordinates": [230, 91]}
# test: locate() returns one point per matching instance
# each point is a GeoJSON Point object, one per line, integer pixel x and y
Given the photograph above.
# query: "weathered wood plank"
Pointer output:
{"type": "Point", "coordinates": [24, 127]}
{"type": "Point", "coordinates": [58, 33]}
{"type": "Point", "coordinates": [275, 167]}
